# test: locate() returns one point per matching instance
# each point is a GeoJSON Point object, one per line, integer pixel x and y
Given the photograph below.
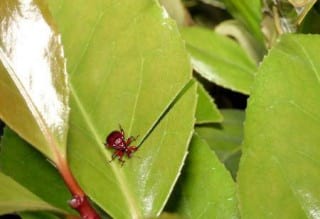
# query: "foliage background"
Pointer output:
{"type": "Point", "coordinates": [223, 95]}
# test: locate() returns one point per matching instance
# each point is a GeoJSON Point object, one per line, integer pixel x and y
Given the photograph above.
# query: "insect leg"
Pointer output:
{"type": "Point", "coordinates": [122, 131]}
{"type": "Point", "coordinates": [131, 139]}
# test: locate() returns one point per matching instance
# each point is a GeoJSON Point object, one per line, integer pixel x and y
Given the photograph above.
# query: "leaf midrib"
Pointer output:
{"type": "Point", "coordinates": [118, 174]}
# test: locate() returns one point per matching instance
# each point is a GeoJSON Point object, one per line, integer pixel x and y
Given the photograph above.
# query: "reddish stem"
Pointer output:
{"type": "Point", "coordinates": [79, 201]}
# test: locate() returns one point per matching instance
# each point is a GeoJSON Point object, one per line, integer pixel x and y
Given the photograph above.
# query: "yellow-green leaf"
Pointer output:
{"type": "Point", "coordinates": [279, 171]}
{"type": "Point", "coordinates": [127, 65]}
{"type": "Point", "coordinates": [219, 59]}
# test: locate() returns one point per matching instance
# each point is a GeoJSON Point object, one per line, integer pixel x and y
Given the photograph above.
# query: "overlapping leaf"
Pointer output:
{"type": "Point", "coordinates": [205, 188]}
{"type": "Point", "coordinates": [279, 173]}
{"type": "Point", "coordinates": [226, 138]}
{"type": "Point", "coordinates": [38, 215]}
{"type": "Point", "coordinates": [207, 111]}
{"type": "Point", "coordinates": [30, 169]}
{"type": "Point", "coordinates": [219, 59]}
{"type": "Point", "coordinates": [14, 197]}
{"type": "Point", "coordinates": [249, 13]}
{"type": "Point", "coordinates": [33, 81]}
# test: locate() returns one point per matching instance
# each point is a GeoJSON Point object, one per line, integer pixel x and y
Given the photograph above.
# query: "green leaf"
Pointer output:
{"type": "Point", "coordinates": [166, 215]}
{"type": "Point", "coordinates": [249, 13]}
{"type": "Point", "coordinates": [142, 186]}
{"type": "Point", "coordinates": [219, 59]}
{"type": "Point", "coordinates": [279, 172]}
{"type": "Point", "coordinates": [14, 197]}
{"type": "Point", "coordinates": [32, 170]}
{"type": "Point", "coordinates": [38, 215]}
{"type": "Point", "coordinates": [33, 81]}
{"type": "Point", "coordinates": [207, 111]}
{"type": "Point", "coordinates": [226, 138]}
{"type": "Point", "coordinates": [205, 189]}
{"type": "Point", "coordinates": [237, 31]}
{"type": "Point", "coordinates": [127, 65]}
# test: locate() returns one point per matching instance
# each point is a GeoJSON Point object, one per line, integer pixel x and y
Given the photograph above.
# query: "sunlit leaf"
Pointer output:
{"type": "Point", "coordinates": [219, 59]}
{"type": "Point", "coordinates": [33, 81]}
{"type": "Point", "coordinates": [127, 65]}
{"type": "Point", "coordinates": [279, 172]}
{"type": "Point", "coordinates": [205, 188]}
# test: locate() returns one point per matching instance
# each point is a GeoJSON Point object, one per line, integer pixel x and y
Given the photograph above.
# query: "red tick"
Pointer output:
{"type": "Point", "coordinates": [117, 140]}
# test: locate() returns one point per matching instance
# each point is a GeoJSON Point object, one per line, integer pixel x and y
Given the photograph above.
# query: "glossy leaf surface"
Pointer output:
{"type": "Point", "coordinates": [33, 80]}
{"type": "Point", "coordinates": [279, 172]}
{"type": "Point", "coordinates": [219, 59]}
{"type": "Point", "coordinates": [32, 170]}
{"type": "Point", "coordinates": [207, 111]}
{"type": "Point", "coordinates": [14, 197]}
{"type": "Point", "coordinates": [123, 73]}
{"type": "Point", "coordinates": [205, 188]}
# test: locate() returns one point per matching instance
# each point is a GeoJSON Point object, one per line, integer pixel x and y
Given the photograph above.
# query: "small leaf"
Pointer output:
{"type": "Point", "coordinates": [279, 171]}
{"type": "Point", "coordinates": [33, 80]}
{"type": "Point", "coordinates": [219, 59]}
{"type": "Point", "coordinates": [207, 111]}
{"type": "Point", "coordinates": [226, 138]}
{"type": "Point", "coordinates": [205, 189]}
{"type": "Point", "coordinates": [14, 197]}
{"type": "Point", "coordinates": [32, 170]}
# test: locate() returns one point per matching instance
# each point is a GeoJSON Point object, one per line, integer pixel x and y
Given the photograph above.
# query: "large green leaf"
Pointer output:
{"type": "Point", "coordinates": [32, 170]}
{"type": "Point", "coordinates": [219, 59]}
{"type": "Point", "coordinates": [141, 187]}
{"type": "Point", "coordinates": [127, 64]}
{"type": "Point", "coordinates": [205, 188]}
{"type": "Point", "coordinates": [14, 197]}
{"type": "Point", "coordinates": [33, 81]}
{"type": "Point", "coordinates": [279, 172]}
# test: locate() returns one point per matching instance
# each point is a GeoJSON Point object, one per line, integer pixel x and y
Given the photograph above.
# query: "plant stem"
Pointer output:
{"type": "Point", "coordinates": [79, 201]}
